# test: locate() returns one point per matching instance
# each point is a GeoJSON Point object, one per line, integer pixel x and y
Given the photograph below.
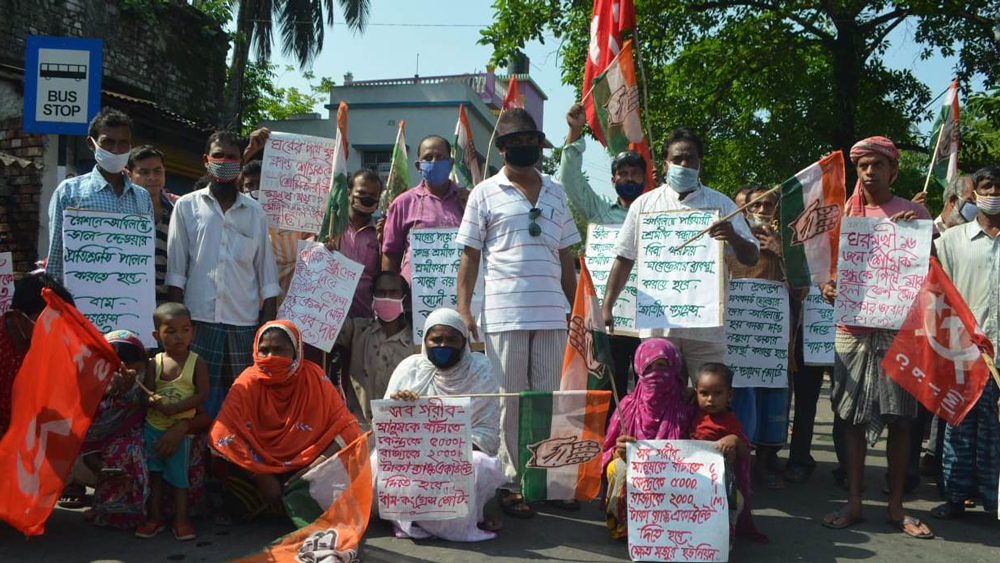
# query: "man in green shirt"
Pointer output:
{"type": "Point", "coordinates": [628, 174]}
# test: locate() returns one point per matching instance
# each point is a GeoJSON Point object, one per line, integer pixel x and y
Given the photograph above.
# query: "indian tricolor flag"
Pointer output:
{"type": "Point", "coordinates": [945, 138]}
{"type": "Point", "coordinates": [560, 439]}
{"type": "Point", "coordinates": [337, 202]}
{"type": "Point", "coordinates": [587, 361]}
{"type": "Point", "coordinates": [812, 203]}
{"type": "Point", "coordinates": [331, 504]}
{"type": "Point", "coordinates": [399, 169]}
{"type": "Point", "coordinates": [466, 171]}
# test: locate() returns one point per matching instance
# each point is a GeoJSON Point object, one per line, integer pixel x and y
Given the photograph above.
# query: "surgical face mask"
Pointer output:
{"type": "Point", "coordinates": [522, 156]}
{"type": "Point", "coordinates": [682, 179]}
{"type": "Point", "coordinates": [435, 172]}
{"type": "Point", "coordinates": [988, 204]}
{"type": "Point", "coordinates": [387, 309]}
{"type": "Point", "coordinates": [757, 220]}
{"type": "Point", "coordinates": [365, 204]}
{"type": "Point", "coordinates": [968, 210]}
{"type": "Point", "coordinates": [223, 170]}
{"type": "Point", "coordinates": [255, 194]}
{"type": "Point", "coordinates": [109, 161]}
{"type": "Point", "coordinates": [444, 357]}
{"type": "Point", "coordinates": [628, 191]}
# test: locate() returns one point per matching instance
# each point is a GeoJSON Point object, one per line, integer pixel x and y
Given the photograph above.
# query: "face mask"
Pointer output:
{"type": "Point", "coordinates": [683, 180]}
{"type": "Point", "coordinates": [223, 170]}
{"type": "Point", "coordinates": [255, 194]}
{"type": "Point", "coordinates": [109, 161]}
{"type": "Point", "coordinates": [988, 204]}
{"type": "Point", "coordinates": [968, 210]}
{"type": "Point", "coordinates": [387, 309]}
{"type": "Point", "coordinates": [628, 191]}
{"type": "Point", "coordinates": [435, 172]}
{"type": "Point", "coordinates": [365, 204]}
{"type": "Point", "coordinates": [756, 220]}
{"type": "Point", "coordinates": [522, 156]}
{"type": "Point", "coordinates": [443, 357]}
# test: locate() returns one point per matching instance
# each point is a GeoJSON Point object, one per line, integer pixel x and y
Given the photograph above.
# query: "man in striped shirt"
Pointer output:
{"type": "Point", "coordinates": [519, 223]}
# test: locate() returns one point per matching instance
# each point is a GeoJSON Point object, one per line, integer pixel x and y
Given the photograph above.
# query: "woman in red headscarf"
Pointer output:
{"type": "Point", "coordinates": [281, 415]}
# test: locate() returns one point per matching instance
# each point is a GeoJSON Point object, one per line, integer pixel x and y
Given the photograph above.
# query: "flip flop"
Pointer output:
{"type": "Point", "coordinates": [949, 510]}
{"type": "Point", "coordinates": [509, 503]}
{"type": "Point", "coordinates": [910, 521]}
{"type": "Point", "coordinates": [846, 520]}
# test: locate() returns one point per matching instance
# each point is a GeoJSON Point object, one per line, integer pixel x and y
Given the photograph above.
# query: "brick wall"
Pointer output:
{"type": "Point", "coordinates": [20, 192]}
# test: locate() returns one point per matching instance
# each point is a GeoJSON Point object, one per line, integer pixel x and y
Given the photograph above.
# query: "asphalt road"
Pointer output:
{"type": "Point", "coordinates": [791, 517]}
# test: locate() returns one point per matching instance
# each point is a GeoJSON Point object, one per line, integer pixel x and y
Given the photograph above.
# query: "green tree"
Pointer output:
{"type": "Point", "coordinates": [262, 99]}
{"type": "Point", "coordinates": [980, 128]}
{"type": "Point", "coordinates": [771, 85]}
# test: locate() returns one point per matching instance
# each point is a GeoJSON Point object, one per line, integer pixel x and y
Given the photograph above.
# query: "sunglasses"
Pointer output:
{"type": "Point", "coordinates": [534, 229]}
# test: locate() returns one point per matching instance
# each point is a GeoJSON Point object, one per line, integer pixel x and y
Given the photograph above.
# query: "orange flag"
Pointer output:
{"type": "Point", "coordinates": [55, 396]}
{"type": "Point", "coordinates": [587, 362]}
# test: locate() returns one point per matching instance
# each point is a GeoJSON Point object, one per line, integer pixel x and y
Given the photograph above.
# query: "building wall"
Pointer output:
{"type": "Point", "coordinates": [20, 194]}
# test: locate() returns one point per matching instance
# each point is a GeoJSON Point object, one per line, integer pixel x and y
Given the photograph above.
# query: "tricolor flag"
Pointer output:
{"type": "Point", "coordinates": [560, 439]}
{"type": "Point", "coordinates": [331, 504]}
{"type": "Point", "coordinates": [337, 202]}
{"type": "Point", "coordinates": [812, 203]}
{"type": "Point", "coordinates": [466, 171]}
{"type": "Point", "coordinates": [609, 19]}
{"type": "Point", "coordinates": [399, 171]}
{"type": "Point", "coordinates": [513, 97]}
{"type": "Point", "coordinates": [945, 139]}
{"type": "Point", "coordinates": [587, 361]}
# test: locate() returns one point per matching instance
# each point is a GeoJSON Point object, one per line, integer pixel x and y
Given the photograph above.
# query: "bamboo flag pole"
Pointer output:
{"type": "Point", "coordinates": [731, 215]}
{"type": "Point", "coordinates": [937, 145]}
{"type": "Point", "coordinates": [489, 148]}
{"type": "Point", "coordinates": [645, 100]}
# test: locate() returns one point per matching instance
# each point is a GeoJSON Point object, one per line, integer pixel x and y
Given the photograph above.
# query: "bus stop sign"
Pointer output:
{"type": "Point", "coordinates": [62, 84]}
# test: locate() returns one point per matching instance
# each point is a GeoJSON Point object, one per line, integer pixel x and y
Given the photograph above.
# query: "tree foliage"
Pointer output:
{"type": "Point", "coordinates": [264, 99]}
{"type": "Point", "coordinates": [771, 85]}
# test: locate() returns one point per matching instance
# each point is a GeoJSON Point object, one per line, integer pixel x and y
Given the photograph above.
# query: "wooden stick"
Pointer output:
{"type": "Point", "coordinates": [992, 367]}
{"type": "Point", "coordinates": [731, 215]}
{"type": "Point", "coordinates": [930, 168]}
{"type": "Point", "coordinates": [489, 148]}
{"type": "Point", "coordinates": [645, 101]}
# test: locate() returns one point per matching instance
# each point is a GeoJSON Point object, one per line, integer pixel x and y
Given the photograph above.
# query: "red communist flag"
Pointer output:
{"type": "Point", "coordinates": [609, 19]}
{"type": "Point", "coordinates": [55, 395]}
{"type": "Point", "coordinates": [938, 353]}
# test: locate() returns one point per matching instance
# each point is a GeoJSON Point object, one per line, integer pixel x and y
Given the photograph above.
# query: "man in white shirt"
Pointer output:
{"type": "Point", "coordinates": [220, 264]}
{"type": "Point", "coordinates": [683, 190]}
{"type": "Point", "coordinates": [519, 223]}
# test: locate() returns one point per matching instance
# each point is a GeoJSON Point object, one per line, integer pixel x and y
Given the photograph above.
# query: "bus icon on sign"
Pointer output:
{"type": "Point", "coordinates": [49, 71]}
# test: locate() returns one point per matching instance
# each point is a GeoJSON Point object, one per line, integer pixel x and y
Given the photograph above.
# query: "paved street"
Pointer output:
{"type": "Point", "coordinates": [790, 517]}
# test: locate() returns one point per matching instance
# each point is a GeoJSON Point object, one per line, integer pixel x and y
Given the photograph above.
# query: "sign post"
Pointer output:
{"type": "Point", "coordinates": [62, 84]}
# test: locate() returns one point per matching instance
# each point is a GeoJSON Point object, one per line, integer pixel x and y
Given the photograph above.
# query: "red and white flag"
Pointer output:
{"type": "Point", "coordinates": [512, 99]}
{"type": "Point", "coordinates": [940, 356]}
{"type": "Point", "coordinates": [608, 20]}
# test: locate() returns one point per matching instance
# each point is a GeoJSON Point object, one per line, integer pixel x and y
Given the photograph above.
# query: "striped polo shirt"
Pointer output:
{"type": "Point", "coordinates": [522, 272]}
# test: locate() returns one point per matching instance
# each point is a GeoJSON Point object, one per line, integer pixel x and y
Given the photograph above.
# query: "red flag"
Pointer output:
{"type": "Point", "coordinates": [513, 98]}
{"type": "Point", "coordinates": [609, 19]}
{"type": "Point", "coordinates": [937, 355]}
{"type": "Point", "coordinates": [55, 396]}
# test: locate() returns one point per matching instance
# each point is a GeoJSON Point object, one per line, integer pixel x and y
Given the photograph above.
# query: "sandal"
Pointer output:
{"type": "Point", "coordinates": [841, 515]}
{"type": "Point", "coordinates": [184, 531]}
{"type": "Point", "coordinates": [949, 510]}
{"type": "Point", "coordinates": [914, 523]}
{"type": "Point", "coordinates": [73, 496]}
{"type": "Point", "coordinates": [149, 528]}
{"type": "Point", "coordinates": [513, 505]}
{"type": "Point", "coordinates": [770, 481]}
{"type": "Point", "coordinates": [797, 474]}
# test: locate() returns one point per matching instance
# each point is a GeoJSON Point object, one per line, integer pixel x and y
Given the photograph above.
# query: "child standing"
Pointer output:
{"type": "Point", "coordinates": [180, 380]}
{"type": "Point", "coordinates": [716, 422]}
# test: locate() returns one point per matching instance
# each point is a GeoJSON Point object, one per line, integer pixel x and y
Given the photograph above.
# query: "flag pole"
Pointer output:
{"type": "Point", "coordinates": [930, 168]}
{"type": "Point", "coordinates": [383, 201]}
{"type": "Point", "coordinates": [489, 148]}
{"type": "Point", "coordinates": [731, 215]}
{"type": "Point", "coordinates": [645, 99]}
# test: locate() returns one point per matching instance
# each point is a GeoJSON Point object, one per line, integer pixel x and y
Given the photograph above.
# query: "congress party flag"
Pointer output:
{"type": "Point", "coordinates": [559, 443]}
{"type": "Point", "coordinates": [616, 103]}
{"type": "Point", "coordinates": [812, 203]}
{"type": "Point", "coordinates": [945, 139]}
{"type": "Point", "coordinates": [587, 361]}
{"type": "Point", "coordinates": [399, 171]}
{"type": "Point", "coordinates": [607, 22]}
{"type": "Point", "coordinates": [940, 356]}
{"type": "Point", "coordinates": [338, 201]}
{"type": "Point", "coordinates": [331, 505]}
{"type": "Point", "coordinates": [63, 378]}
{"type": "Point", "coordinates": [466, 171]}
{"type": "Point", "coordinates": [512, 99]}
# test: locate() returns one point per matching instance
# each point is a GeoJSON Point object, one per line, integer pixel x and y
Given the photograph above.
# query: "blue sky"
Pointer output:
{"type": "Point", "coordinates": [390, 51]}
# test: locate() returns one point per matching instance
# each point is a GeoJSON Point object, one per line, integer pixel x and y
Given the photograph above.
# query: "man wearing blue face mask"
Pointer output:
{"type": "Point", "coordinates": [683, 190]}
{"type": "Point", "coordinates": [105, 188]}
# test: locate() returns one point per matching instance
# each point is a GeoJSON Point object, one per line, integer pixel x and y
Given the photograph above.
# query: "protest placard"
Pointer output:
{"type": "Point", "coordinates": [880, 267]}
{"type": "Point", "coordinates": [320, 295]}
{"type": "Point", "coordinates": [434, 260]}
{"type": "Point", "coordinates": [424, 458]}
{"type": "Point", "coordinates": [818, 332]}
{"type": "Point", "coordinates": [677, 506]}
{"type": "Point", "coordinates": [679, 288]}
{"type": "Point", "coordinates": [295, 180]}
{"type": "Point", "coordinates": [600, 255]}
{"type": "Point", "coordinates": [6, 281]}
{"type": "Point", "coordinates": [108, 268]}
{"type": "Point", "coordinates": [757, 331]}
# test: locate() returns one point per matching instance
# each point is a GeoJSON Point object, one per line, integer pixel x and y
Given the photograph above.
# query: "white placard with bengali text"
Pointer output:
{"type": "Point", "coordinates": [757, 332]}
{"type": "Point", "coordinates": [600, 255]}
{"type": "Point", "coordinates": [677, 505]}
{"type": "Point", "coordinates": [295, 180]}
{"type": "Point", "coordinates": [880, 267]}
{"type": "Point", "coordinates": [108, 267]}
{"type": "Point", "coordinates": [6, 281]}
{"type": "Point", "coordinates": [320, 294]}
{"type": "Point", "coordinates": [679, 288]}
{"type": "Point", "coordinates": [818, 331]}
{"type": "Point", "coordinates": [434, 261]}
{"type": "Point", "coordinates": [424, 456]}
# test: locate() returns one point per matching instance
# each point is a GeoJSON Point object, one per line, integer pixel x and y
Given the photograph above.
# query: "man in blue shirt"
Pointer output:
{"type": "Point", "coordinates": [105, 188]}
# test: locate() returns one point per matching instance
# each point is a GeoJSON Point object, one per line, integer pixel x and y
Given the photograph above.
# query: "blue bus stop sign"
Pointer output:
{"type": "Point", "coordinates": [62, 84]}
